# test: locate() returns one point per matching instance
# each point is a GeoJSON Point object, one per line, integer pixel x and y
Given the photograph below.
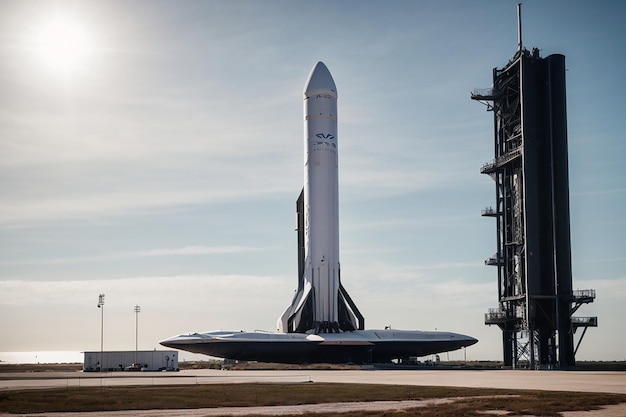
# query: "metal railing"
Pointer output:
{"type": "Point", "coordinates": [584, 294]}
{"type": "Point", "coordinates": [493, 260]}
{"type": "Point", "coordinates": [495, 314]}
{"type": "Point", "coordinates": [482, 94]}
{"type": "Point", "coordinates": [501, 160]}
{"type": "Point", "coordinates": [585, 321]}
{"type": "Point", "coordinates": [488, 211]}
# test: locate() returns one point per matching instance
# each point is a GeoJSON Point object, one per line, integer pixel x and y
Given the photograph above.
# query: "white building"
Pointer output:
{"type": "Point", "coordinates": [142, 360]}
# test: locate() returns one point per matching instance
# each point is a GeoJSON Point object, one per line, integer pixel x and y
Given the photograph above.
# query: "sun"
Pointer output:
{"type": "Point", "coordinates": [63, 44]}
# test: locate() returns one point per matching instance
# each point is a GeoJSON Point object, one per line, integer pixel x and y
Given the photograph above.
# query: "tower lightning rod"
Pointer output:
{"type": "Point", "coordinates": [519, 27]}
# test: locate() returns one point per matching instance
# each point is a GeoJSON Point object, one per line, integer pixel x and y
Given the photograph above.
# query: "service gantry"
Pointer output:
{"type": "Point", "coordinates": [530, 170]}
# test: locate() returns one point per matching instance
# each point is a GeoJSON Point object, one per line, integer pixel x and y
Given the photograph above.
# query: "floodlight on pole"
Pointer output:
{"type": "Point", "coordinates": [137, 311]}
{"type": "Point", "coordinates": [101, 307]}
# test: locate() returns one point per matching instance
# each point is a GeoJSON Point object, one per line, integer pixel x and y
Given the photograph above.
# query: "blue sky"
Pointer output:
{"type": "Point", "coordinates": [162, 167]}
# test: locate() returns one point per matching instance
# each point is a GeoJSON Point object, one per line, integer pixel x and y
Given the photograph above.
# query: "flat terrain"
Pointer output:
{"type": "Point", "coordinates": [288, 399]}
{"type": "Point", "coordinates": [348, 392]}
{"type": "Point", "coordinates": [582, 381]}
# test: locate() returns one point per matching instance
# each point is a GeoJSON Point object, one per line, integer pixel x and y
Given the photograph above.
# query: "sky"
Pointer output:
{"type": "Point", "coordinates": [152, 151]}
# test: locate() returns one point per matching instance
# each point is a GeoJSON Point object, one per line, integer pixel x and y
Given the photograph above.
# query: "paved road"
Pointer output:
{"type": "Point", "coordinates": [585, 381]}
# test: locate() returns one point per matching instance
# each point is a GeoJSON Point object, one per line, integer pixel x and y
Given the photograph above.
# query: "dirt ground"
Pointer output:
{"type": "Point", "coordinates": [609, 411]}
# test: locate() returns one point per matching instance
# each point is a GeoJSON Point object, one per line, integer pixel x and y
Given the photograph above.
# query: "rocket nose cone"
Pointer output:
{"type": "Point", "coordinates": [320, 79]}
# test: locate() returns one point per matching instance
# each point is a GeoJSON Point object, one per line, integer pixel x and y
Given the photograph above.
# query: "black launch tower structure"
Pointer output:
{"type": "Point", "coordinates": [530, 170]}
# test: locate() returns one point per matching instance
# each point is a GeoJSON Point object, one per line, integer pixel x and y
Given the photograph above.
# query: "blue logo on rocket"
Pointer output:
{"type": "Point", "coordinates": [327, 138]}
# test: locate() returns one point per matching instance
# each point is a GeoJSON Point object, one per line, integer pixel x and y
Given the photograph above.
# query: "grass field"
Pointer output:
{"type": "Point", "coordinates": [536, 403]}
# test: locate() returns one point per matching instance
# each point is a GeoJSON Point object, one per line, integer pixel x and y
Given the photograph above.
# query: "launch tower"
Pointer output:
{"type": "Point", "coordinates": [530, 170]}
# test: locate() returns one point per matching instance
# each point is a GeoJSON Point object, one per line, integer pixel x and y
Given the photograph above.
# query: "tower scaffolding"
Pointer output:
{"type": "Point", "coordinates": [530, 170]}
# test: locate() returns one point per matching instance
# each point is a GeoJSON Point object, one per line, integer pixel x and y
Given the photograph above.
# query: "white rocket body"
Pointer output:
{"type": "Point", "coordinates": [321, 195]}
{"type": "Point", "coordinates": [320, 296]}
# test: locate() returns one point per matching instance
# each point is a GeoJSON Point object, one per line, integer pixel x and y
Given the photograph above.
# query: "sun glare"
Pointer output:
{"type": "Point", "coordinates": [63, 44]}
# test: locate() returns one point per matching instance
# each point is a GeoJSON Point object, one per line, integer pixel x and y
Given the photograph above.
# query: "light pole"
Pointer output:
{"type": "Point", "coordinates": [137, 310]}
{"type": "Point", "coordinates": [101, 307]}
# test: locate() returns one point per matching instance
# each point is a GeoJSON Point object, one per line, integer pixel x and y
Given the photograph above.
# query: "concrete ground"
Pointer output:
{"type": "Point", "coordinates": [583, 381]}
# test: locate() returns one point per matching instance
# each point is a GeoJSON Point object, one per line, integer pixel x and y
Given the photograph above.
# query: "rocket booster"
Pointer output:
{"type": "Point", "coordinates": [321, 304]}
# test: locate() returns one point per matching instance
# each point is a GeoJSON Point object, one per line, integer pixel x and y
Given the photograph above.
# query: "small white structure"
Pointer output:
{"type": "Point", "coordinates": [131, 360]}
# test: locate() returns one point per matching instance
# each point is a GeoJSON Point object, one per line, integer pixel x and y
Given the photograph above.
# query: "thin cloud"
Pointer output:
{"type": "Point", "coordinates": [388, 224]}
{"type": "Point", "coordinates": [21, 212]}
{"type": "Point", "coordinates": [186, 251]}
{"type": "Point", "coordinates": [600, 260]}
{"type": "Point", "coordinates": [599, 192]}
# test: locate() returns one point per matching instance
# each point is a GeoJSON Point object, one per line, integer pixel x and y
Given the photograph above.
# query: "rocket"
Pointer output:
{"type": "Point", "coordinates": [322, 323]}
{"type": "Point", "coordinates": [321, 304]}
